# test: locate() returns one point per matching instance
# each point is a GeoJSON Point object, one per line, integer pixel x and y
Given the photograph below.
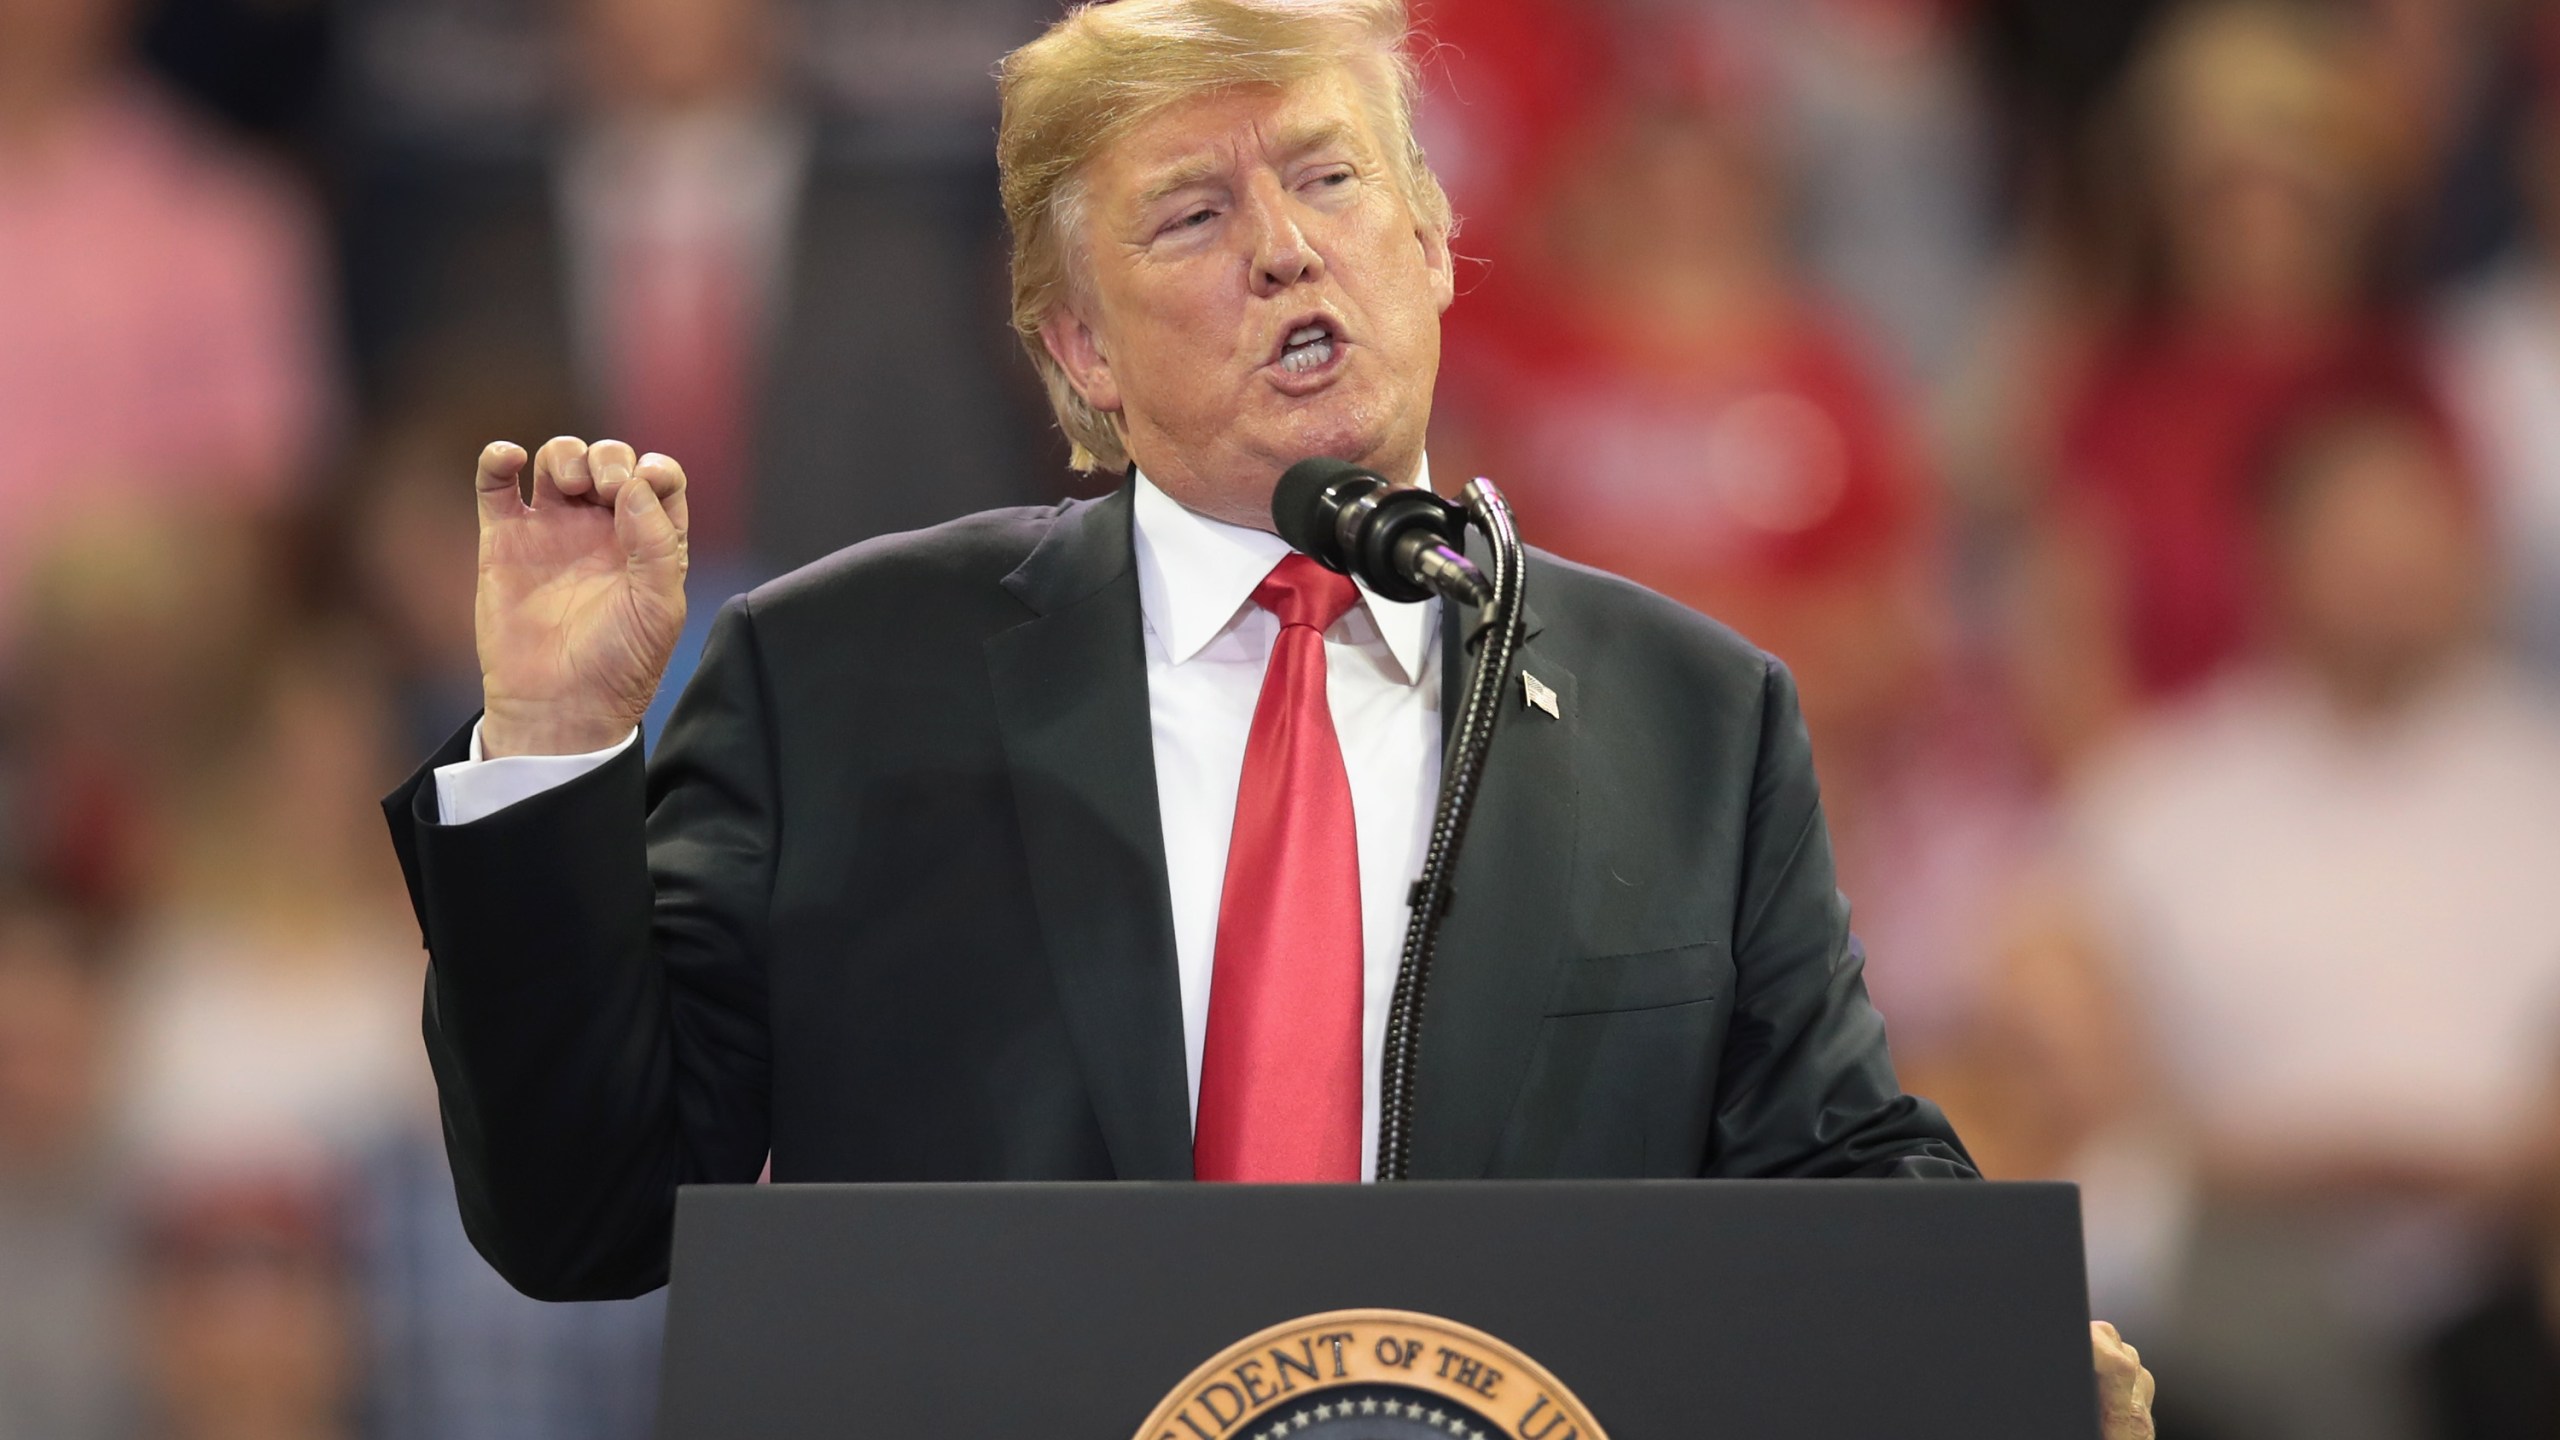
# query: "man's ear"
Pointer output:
{"type": "Point", "coordinates": [1440, 262]}
{"type": "Point", "coordinates": [1078, 351]}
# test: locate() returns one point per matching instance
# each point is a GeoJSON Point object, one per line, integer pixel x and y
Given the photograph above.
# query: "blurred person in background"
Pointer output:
{"type": "Point", "coordinates": [275, 1029]}
{"type": "Point", "coordinates": [461, 77]}
{"type": "Point", "coordinates": [139, 622]}
{"type": "Point", "coordinates": [1887, 149]}
{"type": "Point", "coordinates": [276, 978]}
{"type": "Point", "coordinates": [2325, 880]}
{"type": "Point", "coordinates": [249, 1323]}
{"type": "Point", "coordinates": [1865, 105]}
{"type": "Point", "coordinates": [64, 1328]}
{"type": "Point", "coordinates": [710, 270]}
{"type": "Point", "coordinates": [2052, 74]}
{"type": "Point", "coordinates": [162, 291]}
{"type": "Point", "coordinates": [2050, 1081]}
{"type": "Point", "coordinates": [2501, 347]}
{"type": "Point", "coordinates": [2255, 257]}
{"type": "Point", "coordinates": [1665, 394]}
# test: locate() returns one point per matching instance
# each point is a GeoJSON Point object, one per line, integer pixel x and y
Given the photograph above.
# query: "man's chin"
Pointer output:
{"type": "Point", "coordinates": [1351, 432]}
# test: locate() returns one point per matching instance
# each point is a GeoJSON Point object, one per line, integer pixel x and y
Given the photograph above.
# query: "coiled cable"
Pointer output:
{"type": "Point", "coordinates": [1495, 639]}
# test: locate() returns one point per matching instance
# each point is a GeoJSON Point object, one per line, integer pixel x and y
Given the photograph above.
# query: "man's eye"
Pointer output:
{"type": "Point", "coordinates": [1334, 179]}
{"type": "Point", "coordinates": [1194, 220]}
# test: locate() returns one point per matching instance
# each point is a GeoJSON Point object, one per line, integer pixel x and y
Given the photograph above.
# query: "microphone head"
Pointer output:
{"type": "Point", "coordinates": [1309, 499]}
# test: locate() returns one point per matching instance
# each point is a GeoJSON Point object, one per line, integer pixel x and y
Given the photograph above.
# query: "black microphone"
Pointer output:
{"type": "Point", "coordinates": [1401, 541]}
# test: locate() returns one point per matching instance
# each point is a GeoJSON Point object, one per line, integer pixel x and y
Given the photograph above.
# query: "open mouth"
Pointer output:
{"type": "Point", "coordinates": [1309, 348]}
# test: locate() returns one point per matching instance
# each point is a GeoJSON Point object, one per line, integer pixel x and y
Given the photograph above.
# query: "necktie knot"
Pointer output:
{"type": "Point", "coordinates": [1302, 592]}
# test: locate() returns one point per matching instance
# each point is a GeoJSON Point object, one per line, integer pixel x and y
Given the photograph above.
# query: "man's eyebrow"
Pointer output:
{"type": "Point", "coordinates": [1316, 135]}
{"type": "Point", "coordinates": [1199, 170]}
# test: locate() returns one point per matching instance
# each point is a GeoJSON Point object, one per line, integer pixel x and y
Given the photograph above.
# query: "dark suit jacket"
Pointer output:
{"type": "Point", "coordinates": [891, 901]}
{"type": "Point", "coordinates": [892, 337]}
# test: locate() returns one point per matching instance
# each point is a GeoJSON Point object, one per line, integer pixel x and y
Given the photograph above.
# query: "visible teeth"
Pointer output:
{"type": "Point", "coordinates": [1309, 347]}
{"type": "Point", "coordinates": [1303, 358]}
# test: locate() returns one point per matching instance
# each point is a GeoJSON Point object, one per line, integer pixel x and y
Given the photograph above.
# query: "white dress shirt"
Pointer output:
{"type": "Point", "coordinates": [2343, 929]}
{"type": "Point", "coordinates": [722, 187]}
{"type": "Point", "coordinates": [1207, 645]}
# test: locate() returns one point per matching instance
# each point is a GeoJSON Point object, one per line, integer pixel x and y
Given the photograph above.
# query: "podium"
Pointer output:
{"type": "Point", "coordinates": [1551, 1310]}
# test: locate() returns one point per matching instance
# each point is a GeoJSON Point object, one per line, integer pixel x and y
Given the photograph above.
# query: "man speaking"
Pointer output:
{"type": "Point", "coordinates": [1073, 844]}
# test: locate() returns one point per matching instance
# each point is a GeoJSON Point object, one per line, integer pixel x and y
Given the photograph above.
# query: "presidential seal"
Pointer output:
{"type": "Point", "coordinates": [1371, 1375]}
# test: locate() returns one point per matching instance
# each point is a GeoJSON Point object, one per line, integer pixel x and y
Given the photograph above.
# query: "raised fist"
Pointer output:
{"type": "Point", "coordinates": [581, 593]}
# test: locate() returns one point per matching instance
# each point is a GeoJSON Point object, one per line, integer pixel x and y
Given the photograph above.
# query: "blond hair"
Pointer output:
{"type": "Point", "coordinates": [2278, 79]}
{"type": "Point", "coordinates": [1107, 67]}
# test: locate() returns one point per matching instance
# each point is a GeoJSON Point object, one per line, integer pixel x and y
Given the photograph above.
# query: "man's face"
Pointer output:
{"type": "Point", "coordinates": [2379, 571]}
{"type": "Point", "coordinates": [1256, 290]}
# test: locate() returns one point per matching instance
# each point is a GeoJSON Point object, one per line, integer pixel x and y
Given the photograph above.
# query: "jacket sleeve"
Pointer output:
{"type": "Point", "coordinates": [595, 1004]}
{"type": "Point", "coordinates": [1806, 1087]}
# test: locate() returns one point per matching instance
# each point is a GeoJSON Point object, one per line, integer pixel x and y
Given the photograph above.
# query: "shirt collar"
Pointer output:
{"type": "Point", "coordinates": [1196, 576]}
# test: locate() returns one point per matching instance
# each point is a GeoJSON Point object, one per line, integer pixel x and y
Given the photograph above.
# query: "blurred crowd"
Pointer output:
{"type": "Point", "coordinates": [2136, 422]}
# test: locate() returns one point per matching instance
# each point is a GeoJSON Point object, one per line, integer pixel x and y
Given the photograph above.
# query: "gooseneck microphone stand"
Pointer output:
{"type": "Point", "coordinates": [1494, 639]}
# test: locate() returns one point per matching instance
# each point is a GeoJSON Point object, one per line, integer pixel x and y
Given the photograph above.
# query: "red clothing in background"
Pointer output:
{"type": "Point", "coordinates": [161, 304]}
{"type": "Point", "coordinates": [2160, 449]}
{"type": "Point", "coordinates": [1508, 86]}
{"type": "Point", "coordinates": [1705, 480]}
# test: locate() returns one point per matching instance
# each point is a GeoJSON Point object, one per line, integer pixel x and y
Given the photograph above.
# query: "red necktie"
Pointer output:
{"type": "Point", "coordinates": [1280, 1069]}
{"type": "Point", "coordinates": [683, 334]}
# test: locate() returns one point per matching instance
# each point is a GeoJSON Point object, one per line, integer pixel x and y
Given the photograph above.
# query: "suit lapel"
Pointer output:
{"type": "Point", "coordinates": [1505, 930]}
{"type": "Point", "coordinates": [1071, 696]}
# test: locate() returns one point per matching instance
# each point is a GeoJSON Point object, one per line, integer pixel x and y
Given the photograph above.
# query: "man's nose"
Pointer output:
{"type": "Point", "coordinates": [1281, 255]}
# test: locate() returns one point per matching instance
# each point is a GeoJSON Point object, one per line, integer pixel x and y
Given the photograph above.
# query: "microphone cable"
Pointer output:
{"type": "Point", "coordinates": [1495, 640]}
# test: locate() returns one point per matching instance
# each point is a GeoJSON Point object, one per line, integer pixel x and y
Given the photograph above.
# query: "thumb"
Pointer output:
{"type": "Point", "coordinates": [652, 547]}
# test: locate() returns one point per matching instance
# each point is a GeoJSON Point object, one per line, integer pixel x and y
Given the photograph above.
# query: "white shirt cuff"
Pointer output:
{"type": "Point", "coordinates": [476, 789]}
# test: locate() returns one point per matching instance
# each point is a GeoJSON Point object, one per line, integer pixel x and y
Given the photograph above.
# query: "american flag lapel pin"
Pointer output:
{"type": "Point", "coordinates": [1540, 695]}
